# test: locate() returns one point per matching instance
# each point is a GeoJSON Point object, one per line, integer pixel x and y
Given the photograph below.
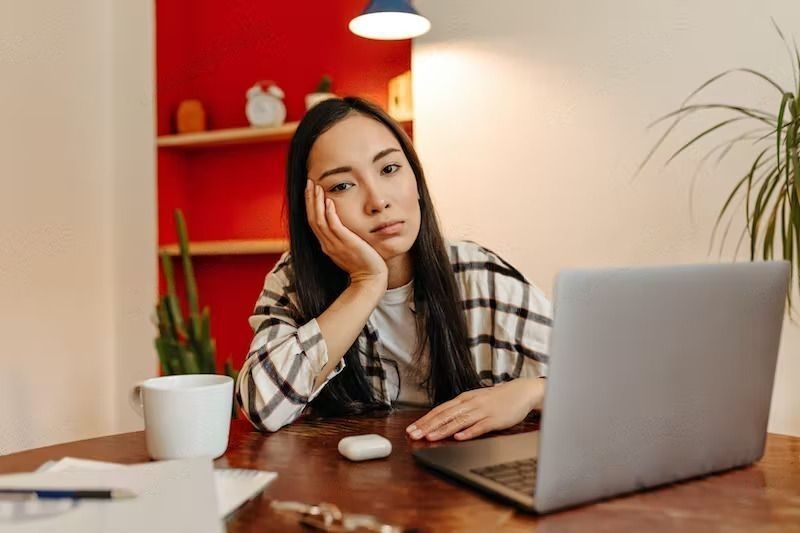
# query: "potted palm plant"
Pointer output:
{"type": "Point", "coordinates": [769, 188]}
{"type": "Point", "coordinates": [184, 343]}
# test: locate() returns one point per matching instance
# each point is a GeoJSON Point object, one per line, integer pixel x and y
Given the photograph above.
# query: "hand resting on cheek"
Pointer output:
{"type": "Point", "coordinates": [347, 250]}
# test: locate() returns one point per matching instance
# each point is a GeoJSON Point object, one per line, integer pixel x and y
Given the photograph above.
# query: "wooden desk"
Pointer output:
{"type": "Point", "coordinates": [763, 497]}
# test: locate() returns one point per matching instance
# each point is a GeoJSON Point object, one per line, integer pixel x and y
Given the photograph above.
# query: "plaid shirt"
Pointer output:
{"type": "Point", "coordinates": [508, 327]}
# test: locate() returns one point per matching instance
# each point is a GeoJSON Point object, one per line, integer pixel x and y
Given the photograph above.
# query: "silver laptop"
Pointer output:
{"type": "Point", "coordinates": [656, 375]}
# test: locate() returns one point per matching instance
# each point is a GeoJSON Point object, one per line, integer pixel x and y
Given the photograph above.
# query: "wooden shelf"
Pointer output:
{"type": "Point", "coordinates": [236, 247]}
{"type": "Point", "coordinates": [233, 136]}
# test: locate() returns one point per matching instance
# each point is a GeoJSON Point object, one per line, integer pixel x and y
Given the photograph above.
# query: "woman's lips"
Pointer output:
{"type": "Point", "coordinates": [393, 229]}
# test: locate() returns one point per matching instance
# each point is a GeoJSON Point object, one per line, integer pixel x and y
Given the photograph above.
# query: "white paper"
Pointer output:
{"type": "Point", "coordinates": [234, 486]}
{"type": "Point", "coordinates": [171, 496]}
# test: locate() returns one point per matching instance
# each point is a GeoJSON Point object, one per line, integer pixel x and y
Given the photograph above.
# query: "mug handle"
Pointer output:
{"type": "Point", "coordinates": [135, 399]}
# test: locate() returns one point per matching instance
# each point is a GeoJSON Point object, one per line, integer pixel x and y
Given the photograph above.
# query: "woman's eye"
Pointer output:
{"type": "Point", "coordinates": [340, 187]}
{"type": "Point", "coordinates": [390, 169]}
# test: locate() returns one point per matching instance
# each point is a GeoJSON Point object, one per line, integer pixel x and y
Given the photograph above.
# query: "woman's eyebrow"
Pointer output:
{"type": "Point", "coordinates": [337, 170]}
{"type": "Point", "coordinates": [384, 153]}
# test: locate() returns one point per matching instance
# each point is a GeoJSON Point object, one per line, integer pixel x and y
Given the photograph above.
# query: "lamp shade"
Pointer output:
{"type": "Point", "coordinates": [389, 20]}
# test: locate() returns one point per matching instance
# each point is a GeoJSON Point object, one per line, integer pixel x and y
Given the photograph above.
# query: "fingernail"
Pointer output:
{"type": "Point", "coordinates": [411, 428]}
{"type": "Point", "coordinates": [416, 434]}
{"type": "Point", "coordinates": [308, 185]}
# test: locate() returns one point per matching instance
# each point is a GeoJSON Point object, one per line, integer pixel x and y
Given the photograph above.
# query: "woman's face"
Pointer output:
{"type": "Point", "coordinates": [362, 168]}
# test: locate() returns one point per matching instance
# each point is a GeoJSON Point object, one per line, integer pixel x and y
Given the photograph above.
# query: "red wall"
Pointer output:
{"type": "Point", "coordinates": [214, 50]}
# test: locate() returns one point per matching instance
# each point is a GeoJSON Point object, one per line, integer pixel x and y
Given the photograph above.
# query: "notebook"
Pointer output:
{"type": "Point", "coordinates": [234, 486]}
{"type": "Point", "coordinates": [175, 496]}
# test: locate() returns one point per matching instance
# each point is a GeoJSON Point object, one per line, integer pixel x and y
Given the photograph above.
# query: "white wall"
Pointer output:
{"type": "Point", "coordinates": [530, 120]}
{"type": "Point", "coordinates": [134, 217]}
{"type": "Point", "coordinates": [77, 222]}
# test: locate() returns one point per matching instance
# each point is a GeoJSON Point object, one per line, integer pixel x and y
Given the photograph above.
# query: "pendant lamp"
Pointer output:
{"type": "Point", "coordinates": [389, 20]}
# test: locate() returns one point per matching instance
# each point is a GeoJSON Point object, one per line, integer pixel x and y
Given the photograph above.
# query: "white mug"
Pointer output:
{"type": "Point", "coordinates": [185, 415]}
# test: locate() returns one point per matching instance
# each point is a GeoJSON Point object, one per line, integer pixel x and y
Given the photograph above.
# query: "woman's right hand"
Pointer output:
{"type": "Point", "coordinates": [347, 250]}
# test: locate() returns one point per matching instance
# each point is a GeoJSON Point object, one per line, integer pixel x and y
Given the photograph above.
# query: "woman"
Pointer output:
{"type": "Point", "coordinates": [371, 308]}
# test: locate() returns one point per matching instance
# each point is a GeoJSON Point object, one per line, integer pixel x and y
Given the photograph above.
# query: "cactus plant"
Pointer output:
{"type": "Point", "coordinates": [184, 344]}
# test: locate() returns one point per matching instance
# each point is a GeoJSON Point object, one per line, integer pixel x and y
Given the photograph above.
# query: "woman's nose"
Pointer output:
{"type": "Point", "coordinates": [376, 200]}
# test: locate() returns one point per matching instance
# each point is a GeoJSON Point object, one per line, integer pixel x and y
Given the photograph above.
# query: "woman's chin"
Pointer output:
{"type": "Point", "coordinates": [391, 248]}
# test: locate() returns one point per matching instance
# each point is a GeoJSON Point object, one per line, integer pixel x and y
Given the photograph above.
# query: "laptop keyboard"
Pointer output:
{"type": "Point", "coordinates": [516, 475]}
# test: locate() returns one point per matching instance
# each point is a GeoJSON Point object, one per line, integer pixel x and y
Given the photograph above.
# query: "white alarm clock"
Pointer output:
{"type": "Point", "coordinates": [265, 107]}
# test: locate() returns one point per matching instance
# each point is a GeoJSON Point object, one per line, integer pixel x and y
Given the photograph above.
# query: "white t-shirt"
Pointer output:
{"type": "Point", "coordinates": [397, 331]}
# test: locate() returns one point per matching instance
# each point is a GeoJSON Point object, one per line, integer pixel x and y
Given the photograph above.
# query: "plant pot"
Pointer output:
{"type": "Point", "coordinates": [313, 99]}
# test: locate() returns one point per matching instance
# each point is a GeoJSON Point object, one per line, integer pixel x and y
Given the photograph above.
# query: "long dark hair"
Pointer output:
{"type": "Point", "coordinates": [440, 320]}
